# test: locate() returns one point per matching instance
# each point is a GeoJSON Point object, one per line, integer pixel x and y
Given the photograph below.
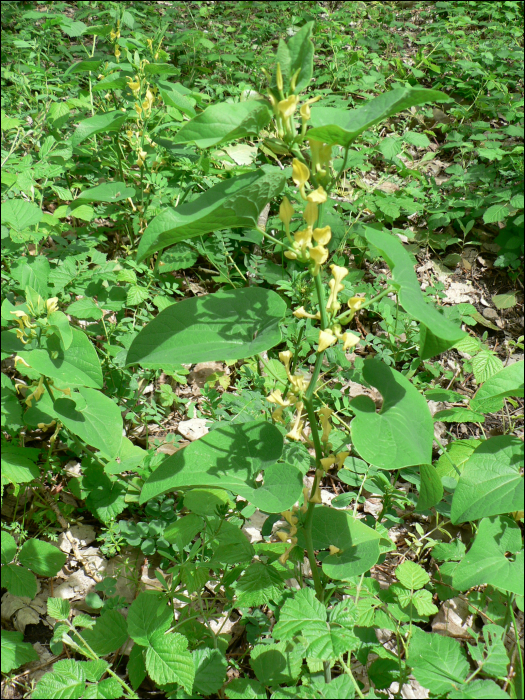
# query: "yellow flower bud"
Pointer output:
{"type": "Point", "coordinates": [326, 338]}
{"type": "Point", "coordinates": [316, 498]}
{"type": "Point", "coordinates": [282, 535]}
{"type": "Point", "coordinates": [301, 313]}
{"type": "Point", "coordinates": [293, 81]}
{"type": "Point", "coordinates": [286, 357]}
{"type": "Point", "coordinates": [340, 459]}
{"type": "Point", "coordinates": [141, 158]}
{"type": "Point", "coordinates": [339, 273]}
{"type": "Point", "coordinates": [318, 196]}
{"type": "Point", "coordinates": [290, 255]}
{"type": "Point", "coordinates": [290, 518]}
{"type": "Point", "coordinates": [285, 211]}
{"type": "Point", "coordinates": [333, 549]}
{"type": "Point", "coordinates": [305, 112]}
{"type": "Point", "coordinates": [311, 213]}
{"type": "Point", "coordinates": [295, 432]}
{"type": "Point", "coordinates": [324, 415]}
{"type": "Point", "coordinates": [300, 175]}
{"type": "Point", "coordinates": [349, 341]}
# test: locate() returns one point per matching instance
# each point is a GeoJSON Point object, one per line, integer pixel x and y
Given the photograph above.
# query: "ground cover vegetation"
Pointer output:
{"type": "Point", "coordinates": [262, 349]}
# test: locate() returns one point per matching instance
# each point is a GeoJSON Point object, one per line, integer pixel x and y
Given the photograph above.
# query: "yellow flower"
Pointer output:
{"type": "Point", "coordinates": [141, 158]}
{"type": "Point", "coordinates": [290, 255]}
{"type": "Point", "coordinates": [21, 360]}
{"type": "Point", "coordinates": [321, 154]}
{"type": "Point", "coordinates": [46, 426]}
{"type": "Point", "coordinates": [284, 557]}
{"type": "Point", "coordinates": [286, 357]}
{"type": "Point", "coordinates": [36, 393]}
{"type": "Point", "coordinates": [326, 338]}
{"type": "Point", "coordinates": [138, 108]}
{"type": "Point", "coordinates": [324, 416]}
{"type": "Point", "coordinates": [295, 432]}
{"type": "Point", "coordinates": [327, 462]}
{"type": "Point", "coordinates": [340, 459]}
{"type": "Point", "coordinates": [51, 305]}
{"type": "Point", "coordinates": [300, 175]}
{"type": "Point", "coordinates": [305, 112]}
{"type": "Point", "coordinates": [319, 255]}
{"type": "Point", "coordinates": [22, 319]}
{"type": "Point", "coordinates": [285, 211]}
{"type": "Point", "coordinates": [355, 303]}
{"type": "Point", "coordinates": [288, 106]}
{"type": "Point", "coordinates": [333, 549]}
{"type": "Point", "coordinates": [148, 102]}
{"type": "Point", "coordinates": [298, 383]}
{"type": "Point", "coordinates": [349, 341]}
{"type": "Point", "coordinates": [339, 273]}
{"type": "Point", "coordinates": [134, 85]}
{"type": "Point", "coordinates": [282, 535]}
{"type": "Point", "coordinates": [318, 196]}
{"type": "Point", "coordinates": [117, 52]}
{"type": "Point", "coordinates": [322, 235]}
{"type": "Point", "coordinates": [303, 241]}
{"type": "Point", "coordinates": [311, 213]}
{"type": "Point", "coordinates": [301, 313]}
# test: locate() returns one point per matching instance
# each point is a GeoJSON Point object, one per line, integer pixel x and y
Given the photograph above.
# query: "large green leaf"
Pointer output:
{"type": "Point", "coordinates": [507, 382]}
{"type": "Point", "coordinates": [169, 661]}
{"type": "Point", "coordinates": [485, 562]}
{"type": "Point", "coordinates": [147, 615]}
{"type": "Point", "coordinates": [109, 121]}
{"type": "Point", "coordinates": [225, 122]}
{"type": "Point", "coordinates": [109, 633]}
{"type": "Point", "coordinates": [176, 95]}
{"type": "Point", "coordinates": [77, 366]}
{"type": "Point", "coordinates": [296, 55]}
{"type": "Point", "coordinates": [401, 434]}
{"type": "Point", "coordinates": [93, 417]}
{"type": "Point", "coordinates": [359, 544]}
{"type": "Point", "coordinates": [41, 557]}
{"type": "Point", "coordinates": [108, 192]}
{"type": "Point", "coordinates": [437, 332]}
{"type": "Point", "coordinates": [439, 663]}
{"type": "Point", "coordinates": [15, 652]}
{"type": "Point", "coordinates": [20, 214]}
{"type": "Point", "coordinates": [237, 201]}
{"type": "Point", "coordinates": [227, 325]}
{"type": "Point", "coordinates": [431, 488]}
{"type": "Point", "coordinates": [338, 126]}
{"type": "Point", "coordinates": [230, 457]}
{"type": "Point", "coordinates": [490, 483]}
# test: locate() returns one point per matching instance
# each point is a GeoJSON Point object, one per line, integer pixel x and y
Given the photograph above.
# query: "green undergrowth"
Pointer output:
{"type": "Point", "coordinates": [250, 216]}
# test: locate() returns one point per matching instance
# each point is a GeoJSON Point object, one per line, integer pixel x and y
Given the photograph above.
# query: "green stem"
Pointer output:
{"type": "Point", "coordinates": [519, 670]}
{"type": "Point", "coordinates": [348, 672]}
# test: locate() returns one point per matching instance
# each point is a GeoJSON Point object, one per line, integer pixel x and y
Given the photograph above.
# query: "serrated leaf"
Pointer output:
{"type": "Point", "coordinates": [497, 212]}
{"type": "Point", "coordinates": [58, 608]}
{"type": "Point", "coordinates": [437, 662]}
{"type": "Point", "coordinates": [67, 680]}
{"type": "Point", "coordinates": [17, 465]}
{"type": "Point", "coordinates": [412, 575]}
{"type": "Point", "coordinates": [507, 382]}
{"type": "Point", "coordinates": [169, 661]}
{"type": "Point", "coordinates": [422, 600]}
{"type": "Point", "coordinates": [136, 295]}
{"type": "Point", "coordinates": [8, 547]}
{"type": "Point", "coordinates": [107, 688]}
{"type": "Point", "coordinates": [479, 690]}
{"type": "Point", "coordinates": [19, 581]}
{"type": "Point", "coordinates": [210, 671]}
{"type": "Point", "coordinates": [258, 584]}
{"type": "Point", "coordinates": [15, 652]}
{"type": "Point", "coordinates": [109, 633]}
{"type": "Point", "coordinates": [148, 615]}
{"type": "Point", "coordinates": [485, 365]}
{"type": "Point", "coordinates": [20, 215]}
{"type": "Point", "coordinates": [274, 664]}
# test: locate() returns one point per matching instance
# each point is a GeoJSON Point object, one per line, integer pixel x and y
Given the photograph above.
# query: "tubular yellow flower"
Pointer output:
{"type": "Point", "coordinates": [46, 426]}
{"type": "Point", "coordinates": [22, 319]}
{"type": "Point", "coordinates": [299, 383]}
{"type": "Point", "coordinates": [290, 255]}
{"type": "Point", "coordinates": [277, 415]}
{"type": "Point", "coordinates": [284, 557]}
{"type": "Point", "coordinates": [301, 313]}
{"type": "Point", "coordinates": [326, 338]}
{"type": "Point", "coordinates": [51, 305]}
{"type": "Point", "coordinates": [290, 518]}
{"type": "Point", "coordinates": [117, 52]}
{"type": "Point", "coordinates": [21, 360]}
{"type": "Point", "coordinates": [319, 255]}
{"type": "Point", "coordinates": [339, 273]}
{"type": "Point", "coordinates": [285, 211]}
{"type": "Point", "coordinates": [349, 341]}
{"type": "Point", "coordinates": [318, 196]}
{"type": "Point", "coordinates": [36, 393]}
{"type": "Point", "coordinates": [326, 462]}
{"type": "Point", "coordinates": [333, 549]}
{"type": "Point", "coordinates": [148, 102]}
{"type": "Point", "coordinates": [282, 535]}
{"type": "Point", "coordinates": [303, 241]}
{"type": "Point", "coordinates": [134, 85]}
{"type": "Point", "coordinates": [288, 106]}
{"type": "Point", "coordinates": [141, 158]}
{"type": "Point", "coordinates": [311, 213]}
{"type": "Point", "coordinates": [322, 235]}
{"type": "Point", "coordinates": [277, 397]}
{"type": "Point", "coordinates": [286, 357]}
{"type": "Point", "coordinates": [355, 303]}
{"type": "Point", "coordinates": [300, 175]}
{"type": "Point", "coordinates": [305, 112]}
{"type": "Point", "coordinates": [324, 416]}
{"type": "Point", "coordinates": [295, 432]}
{"type": "Point", "coordinates": [279, 77]}
{"type": "Point", "coordinates": [340, 459]}
{"type": "Point", "coordinates": [20, 335]}
{"type": "Point", "coordinates": [138, 109]}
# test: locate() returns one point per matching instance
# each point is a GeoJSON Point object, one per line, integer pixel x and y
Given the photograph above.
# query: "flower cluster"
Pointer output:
{"type": "Point", "coordinates": [298, 386]}
{"type": "Point", "coordinates": [288, 536]}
